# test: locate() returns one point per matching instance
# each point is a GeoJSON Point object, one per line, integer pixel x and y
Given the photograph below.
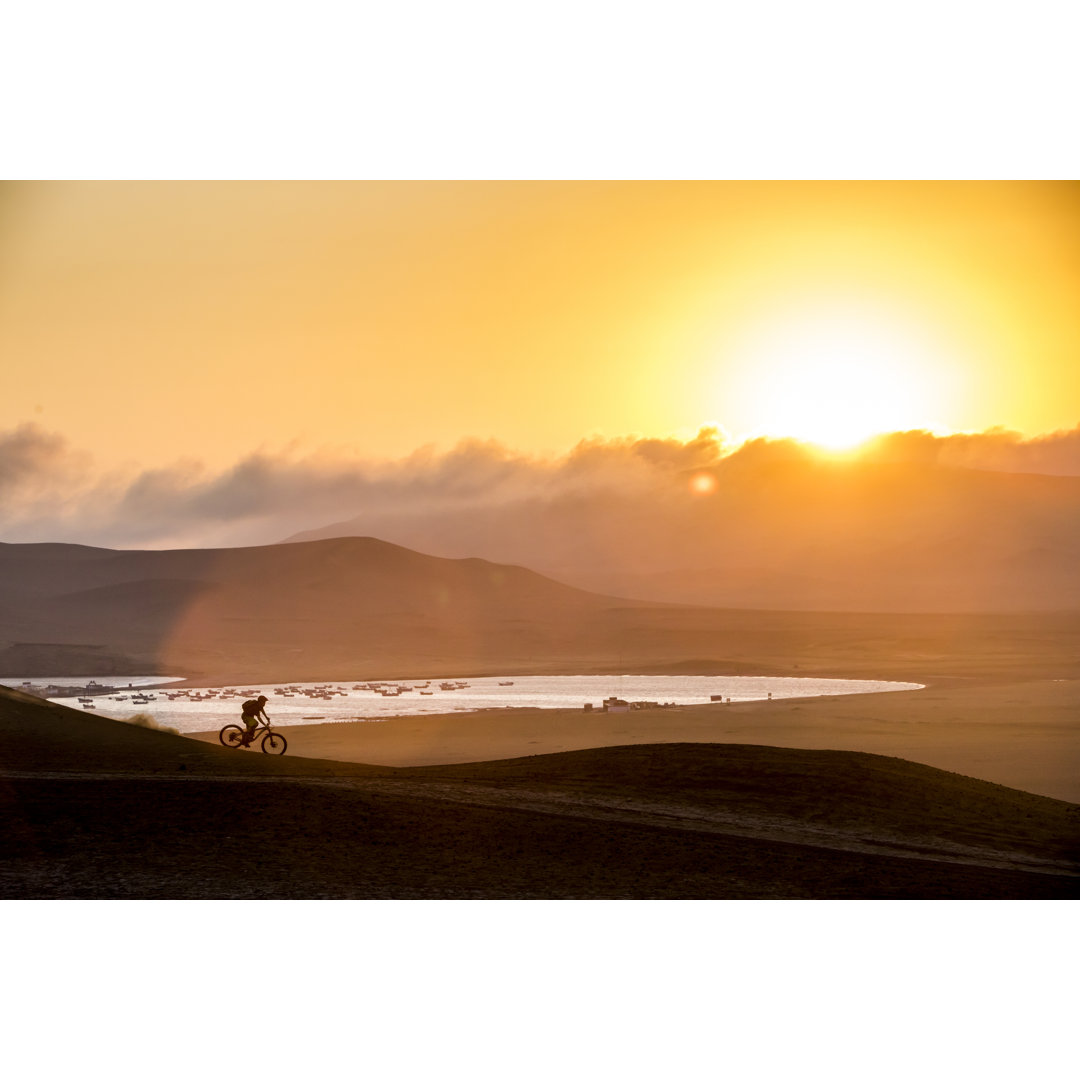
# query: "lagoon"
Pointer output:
{"type": "Point", "coordinates": [205, 709]}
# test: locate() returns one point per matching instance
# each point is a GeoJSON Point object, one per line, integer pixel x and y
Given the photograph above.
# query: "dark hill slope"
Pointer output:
{"type": "Point", "coordinates": [274, 611]}
{"type": "Point", "coordinates": [41, 737]}
{"type": "Point", "coordinates": [388, 576]}
{"type": "Point", "coordinates": [867, 795]}
{"type": "Point", "coordinates": [96, 809]}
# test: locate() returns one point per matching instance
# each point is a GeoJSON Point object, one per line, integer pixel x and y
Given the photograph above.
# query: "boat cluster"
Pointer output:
{"type": "Point", "coordinates": [326, 691]}
{"type": "Point", "coordinates": [85, 694]}
{"type": "Point", "coordinates": [225, 694]}
{"type": "Point", "coordinates": [320, 692]}
{"type": "Point", "coordinates": [136, 699]}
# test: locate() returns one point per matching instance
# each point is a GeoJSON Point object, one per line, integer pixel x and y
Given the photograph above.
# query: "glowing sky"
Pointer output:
{"type": "Point", "coordinates": [148, 322]}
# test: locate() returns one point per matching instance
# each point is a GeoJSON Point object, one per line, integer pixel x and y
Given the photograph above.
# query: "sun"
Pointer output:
{"type": "Point", "coordinates": [837, 379]}
{"type": "Point", "coordinates": [838, 398]}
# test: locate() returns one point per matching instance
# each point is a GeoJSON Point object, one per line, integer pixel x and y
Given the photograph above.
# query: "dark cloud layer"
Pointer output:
{"type": "Point", "coordinates": [30, 457]}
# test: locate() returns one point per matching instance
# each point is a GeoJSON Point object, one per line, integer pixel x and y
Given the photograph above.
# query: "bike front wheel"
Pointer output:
{"type": "Point", "coordinates": [273, 743]}
{"type": "Point", "coordinates": [231, 734]}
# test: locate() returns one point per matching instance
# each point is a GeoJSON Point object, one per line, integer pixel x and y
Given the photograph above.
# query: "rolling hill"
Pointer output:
{"type": "Point", "coordinates": [99, 809]}
{"type": "Point", "coordinates": [320, 605]}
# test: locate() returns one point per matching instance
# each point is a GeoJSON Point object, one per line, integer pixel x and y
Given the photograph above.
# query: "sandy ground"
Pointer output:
{"type": "Point", "coordinates": [1024, 735]}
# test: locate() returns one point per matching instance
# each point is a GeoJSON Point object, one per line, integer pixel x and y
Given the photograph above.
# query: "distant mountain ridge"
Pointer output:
{"type": "Point", "coordinates": [316, 603]}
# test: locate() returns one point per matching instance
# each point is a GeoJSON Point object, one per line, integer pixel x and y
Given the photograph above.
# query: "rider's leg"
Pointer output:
{"type": "Point", "coordinates": [249, 731]}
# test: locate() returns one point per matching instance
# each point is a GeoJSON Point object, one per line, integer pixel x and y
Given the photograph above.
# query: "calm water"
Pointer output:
{"type": "Point", "coordinates": [208, 709]}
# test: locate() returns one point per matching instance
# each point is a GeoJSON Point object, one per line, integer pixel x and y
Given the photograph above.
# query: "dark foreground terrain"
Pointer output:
{"type": "Point", "coordinates": [97, 809]}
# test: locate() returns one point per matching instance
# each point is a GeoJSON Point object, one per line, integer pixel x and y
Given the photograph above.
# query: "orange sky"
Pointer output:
{"type": "Point", "coordinates": [152, 321]}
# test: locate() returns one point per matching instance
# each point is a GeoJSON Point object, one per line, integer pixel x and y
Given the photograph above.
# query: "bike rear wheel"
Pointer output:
{"type": "Point", "coordinates": [231, 734]}
{"type": "Point", "coordinates": [273, 743]}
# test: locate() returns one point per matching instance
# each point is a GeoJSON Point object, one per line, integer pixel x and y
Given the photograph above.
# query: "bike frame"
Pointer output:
{"type": "Point", "coordinates": [260, 723]}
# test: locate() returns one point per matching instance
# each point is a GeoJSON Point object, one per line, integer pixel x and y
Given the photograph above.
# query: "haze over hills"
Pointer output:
{"type": "Point", "coordinates": [364, 608]}
{"type": "Point", "coordinates": [778, 528]}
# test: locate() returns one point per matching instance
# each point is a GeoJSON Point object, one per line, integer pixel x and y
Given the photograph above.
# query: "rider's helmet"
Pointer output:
{"type": "Point", "coordinates": [263, 699]}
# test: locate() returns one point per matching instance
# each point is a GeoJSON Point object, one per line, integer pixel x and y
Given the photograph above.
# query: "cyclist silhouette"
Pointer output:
{"type": "Point", "coordinates": [252, 710]}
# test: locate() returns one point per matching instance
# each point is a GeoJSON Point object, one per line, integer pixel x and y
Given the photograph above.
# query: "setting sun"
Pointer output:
{"type": "Point", "coordinates": [837, 378]}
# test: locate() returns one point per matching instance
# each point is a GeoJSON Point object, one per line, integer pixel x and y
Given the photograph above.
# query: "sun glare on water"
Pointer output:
{"type": "Point", "coordinates": [837, 381]}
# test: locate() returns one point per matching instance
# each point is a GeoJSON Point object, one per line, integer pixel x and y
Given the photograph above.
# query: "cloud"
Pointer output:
{"type": "Point", "coordinates": [997, 450]}
{"type": "Point", "coordinates": [440, 502]}
{"type": "Point", "coordinates": [30, 457]}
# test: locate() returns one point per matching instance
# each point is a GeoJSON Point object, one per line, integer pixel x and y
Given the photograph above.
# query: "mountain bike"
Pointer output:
{"type": "Point", "coordinates": [272, 741]}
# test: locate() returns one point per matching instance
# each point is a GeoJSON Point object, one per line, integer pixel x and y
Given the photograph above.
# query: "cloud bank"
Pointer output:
{"type": "Point", "coordinates": [996, 450]}
{"type": "Point", "coordinates": [913, 521]}
{"type": "Point", "coordinates": [50, 491]}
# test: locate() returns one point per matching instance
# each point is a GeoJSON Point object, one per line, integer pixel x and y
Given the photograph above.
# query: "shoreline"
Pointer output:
{"type": "Point", "coordinates": [327, 722]}
{"type": "Point", "coordinates": [296, 706]}
{"type": "Point", "coordinates": [1023, 734]}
